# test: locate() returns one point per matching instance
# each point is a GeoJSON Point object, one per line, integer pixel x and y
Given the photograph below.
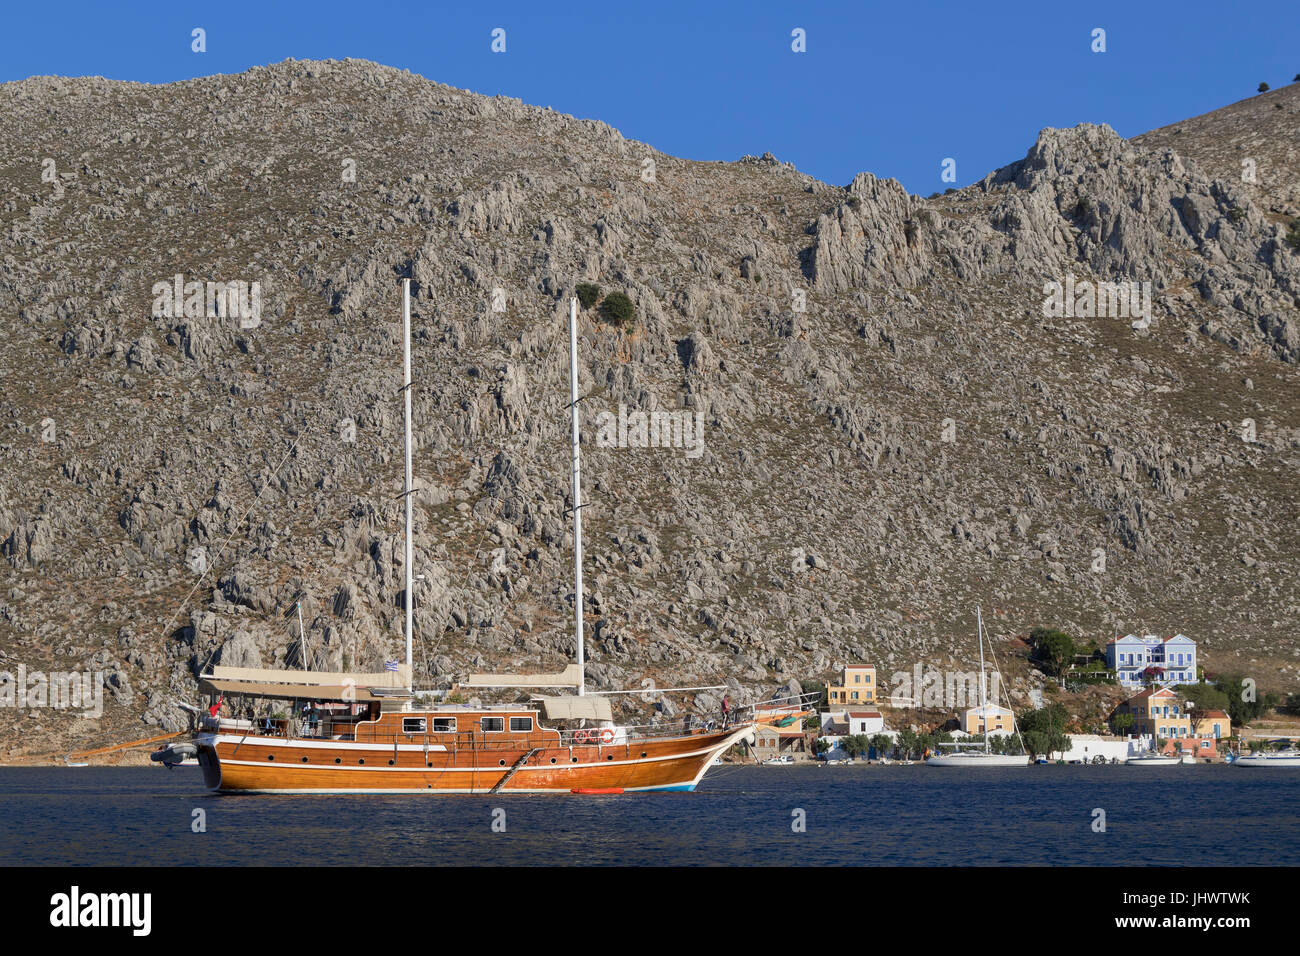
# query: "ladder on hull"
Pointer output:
{"type": "Point", "coordinates": [513, 770]}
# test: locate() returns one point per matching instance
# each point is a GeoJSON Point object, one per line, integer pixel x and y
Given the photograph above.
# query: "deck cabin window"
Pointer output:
{"type": "Point", "coordinates": [413, 725]}
{"type": "Point", "coordinates": [523, 724]}
{"type": "Point", "coordinates": [493, 725]}
{"type": "Point", "coordinates": [444, 725]}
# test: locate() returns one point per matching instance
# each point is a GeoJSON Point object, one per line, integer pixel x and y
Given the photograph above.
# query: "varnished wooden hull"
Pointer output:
{"type": "Point", "coordinates": [233, 763]}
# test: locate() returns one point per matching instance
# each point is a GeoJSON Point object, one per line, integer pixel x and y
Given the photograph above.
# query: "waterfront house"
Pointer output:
{"type": "Point", "coordinates": [1214, 724]}
{"type": "Point", "coordinates": [1195, 745]}
{"type": "Point", "coordinates": [772, 740]}
{"type": "Point", "coordinates": [988, 719]}
{"type": "Point", "coordinates": [1167, 661]}
{"type": "Point", "coordinates": [1157, 712]}
{"type": "Point", "coordinates": [858, 687]}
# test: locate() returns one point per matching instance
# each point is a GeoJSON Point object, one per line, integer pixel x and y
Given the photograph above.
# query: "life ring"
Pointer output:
{"type": "Point", "coordinates": [580, 736]}
{"type": "Point", "coordinates": [607, 736]}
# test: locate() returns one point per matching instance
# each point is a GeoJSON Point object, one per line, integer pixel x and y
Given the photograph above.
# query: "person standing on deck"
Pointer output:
{"type": "Point", "coordinates": [726, 709]}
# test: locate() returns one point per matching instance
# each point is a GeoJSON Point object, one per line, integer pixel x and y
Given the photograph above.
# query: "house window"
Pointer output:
{"type": "Point", "coordinates": [493, 725]}
{"type": "Point", "coordinates": [855, 695]}
{"type": "Point", "coordinates": [857, 678]}
{"type": "Point", "coordinates": [444, 725]}
{"type": "Point", "coordinates": [413, 725]}
{"type": "Point", "coordinates": [521, 724]}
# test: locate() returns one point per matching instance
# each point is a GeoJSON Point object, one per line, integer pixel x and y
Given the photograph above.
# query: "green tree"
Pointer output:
{"type": "Point", "coordinates": [1245, 702]}
{"type": "Point", "coordinates": [1263, 87]}
{"type": "Point", "coordinates": [587, 293]}
{"type": "Point", "coordinates": [1204, 696]}
{"type": "Point", "coordinates": [1043, 730]}
{"type": "Point", "coordinates": [1123, 723]}
{"type": "Point", "coordinates": [907, 740]}
{"type": "Point", "coordinates": [618, 309]}
{"type": "Point", "coordinates": [1053, 649]}
{"type": "Point", "coordinates": [882, 744]}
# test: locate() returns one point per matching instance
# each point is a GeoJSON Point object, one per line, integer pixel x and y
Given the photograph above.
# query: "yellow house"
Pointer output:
{"type": "Point", "coordinates": [859, 686]}
{"type": "Point", "coordinates": [1158, 712]}
{"type": "Point", "coordinates": [1211, 723]}
{"type": "Point", "coordinates": [989, 719]}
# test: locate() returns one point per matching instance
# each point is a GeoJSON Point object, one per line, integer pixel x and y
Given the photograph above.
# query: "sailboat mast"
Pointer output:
{"type": "Point", "coordinates": [577, 495]}
{"type": "Point", "coordinates": [984, 696]}
{"type": "Point", "coordinates": [406, 488]}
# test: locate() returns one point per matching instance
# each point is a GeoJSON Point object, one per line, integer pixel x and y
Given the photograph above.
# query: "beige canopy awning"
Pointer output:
{"type": "Point", "coordinates": [318, 685]}
{"type": "Point", "coordinates": [576, 708]}
{"type": "Point", "coordinates": [569, 677]}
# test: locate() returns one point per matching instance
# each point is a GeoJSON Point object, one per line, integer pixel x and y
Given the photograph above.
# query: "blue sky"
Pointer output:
{"type": "Point", "coordinates": [894, 88]}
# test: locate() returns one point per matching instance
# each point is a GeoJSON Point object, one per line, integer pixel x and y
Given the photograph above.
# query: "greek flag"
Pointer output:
{"type": "Point", "coordinates": [390, 665]}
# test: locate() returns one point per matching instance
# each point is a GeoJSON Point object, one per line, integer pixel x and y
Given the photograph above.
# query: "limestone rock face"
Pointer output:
{"type": "Point", "coordinates": [844, 416]}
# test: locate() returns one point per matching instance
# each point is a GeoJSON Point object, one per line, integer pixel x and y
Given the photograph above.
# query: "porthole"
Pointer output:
{"type": "Point", "coordinates": [362, 760]}
{"type": "Point", "coordinates": [338, 759]}
{"type": "Point", "coordinates": [610, 757]}
{"type": "Point", "coordinates": [501, 762]}
{"type": "Point", "coordinates": [270, 756]}
{"type": "Point", "coordinates": [390, 763]}
{"type": "Point", "coordinates": [643, 753]}
{"type": "Point", "coordinates": [573, 759]}
{"type": "Point", "coordinates": [304, 759]}
{"type": "Point", "coordinates": [552, 760]}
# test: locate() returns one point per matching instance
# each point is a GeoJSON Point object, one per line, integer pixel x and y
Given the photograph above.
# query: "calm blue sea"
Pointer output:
{"type": "Point", "coordinates": [859, 815]}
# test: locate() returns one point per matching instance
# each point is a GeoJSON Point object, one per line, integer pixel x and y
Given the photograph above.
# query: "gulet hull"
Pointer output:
{"type": "Point", "coordinates": [245, 764]}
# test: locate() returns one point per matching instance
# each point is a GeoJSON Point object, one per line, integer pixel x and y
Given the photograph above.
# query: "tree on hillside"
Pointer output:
{"type": "Point", "coordinates": [1263, 87]}
{"type": "Point", "coordinates": [1245, 702]}
{"type": "Point", "coordinates": [1123, 723]}
{"type": "Point", "coordinates": [1204, 697]}
{"type": "Point", "coordinates": [1054, 650]}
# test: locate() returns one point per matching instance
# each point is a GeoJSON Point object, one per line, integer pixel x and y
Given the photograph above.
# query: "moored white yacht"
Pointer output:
{"type": "Point", "coordinates": [985, 757]}
{"type": "Point", "coordinates": [1277, 758]}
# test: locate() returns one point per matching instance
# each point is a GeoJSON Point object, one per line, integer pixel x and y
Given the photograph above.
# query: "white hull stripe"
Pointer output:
{"type": "Point", "coordinates": [319, 744]}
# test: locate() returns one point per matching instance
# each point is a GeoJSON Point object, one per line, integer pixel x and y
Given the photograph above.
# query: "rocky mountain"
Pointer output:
{"type": "Point", "coordinates": [902, 415]}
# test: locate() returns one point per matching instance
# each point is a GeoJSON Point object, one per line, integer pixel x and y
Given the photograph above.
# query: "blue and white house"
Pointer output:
{"type": "Point", "coordinates": [1131, 655]}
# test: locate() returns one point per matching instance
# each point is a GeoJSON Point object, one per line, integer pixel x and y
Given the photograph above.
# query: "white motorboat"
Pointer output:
{"type": "Point", "coordinates": [1152, 759]}
{"type": "Point", "coordinates": [1276, 758]}
{"type": "Point", "coordinates": [977, 758]}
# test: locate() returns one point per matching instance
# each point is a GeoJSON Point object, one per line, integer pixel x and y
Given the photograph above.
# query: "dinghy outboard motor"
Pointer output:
{"type": "Point", "coordinates": [174, 754]}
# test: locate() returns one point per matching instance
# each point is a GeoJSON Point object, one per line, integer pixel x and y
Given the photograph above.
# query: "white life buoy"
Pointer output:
{"type": "Point", "coordinates": [607, 736]}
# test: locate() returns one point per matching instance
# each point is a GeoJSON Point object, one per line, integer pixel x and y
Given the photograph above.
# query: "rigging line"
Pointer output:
{"type": "Point", "coordinates": [224, 544]}
{"type": "Point", "coordinates": [1007, 695]}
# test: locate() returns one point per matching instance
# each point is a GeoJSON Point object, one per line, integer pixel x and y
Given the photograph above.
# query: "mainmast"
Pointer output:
{"type": "Point", "coordinates": [984, 697]}
{"type": "Point", "coordinates": [406, 488]}
{"type": "Point", "coordinates": [577, 494]}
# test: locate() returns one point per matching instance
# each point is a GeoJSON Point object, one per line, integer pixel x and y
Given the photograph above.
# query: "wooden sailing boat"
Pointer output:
{"type": "Point", "coordinates": [364, 735]}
